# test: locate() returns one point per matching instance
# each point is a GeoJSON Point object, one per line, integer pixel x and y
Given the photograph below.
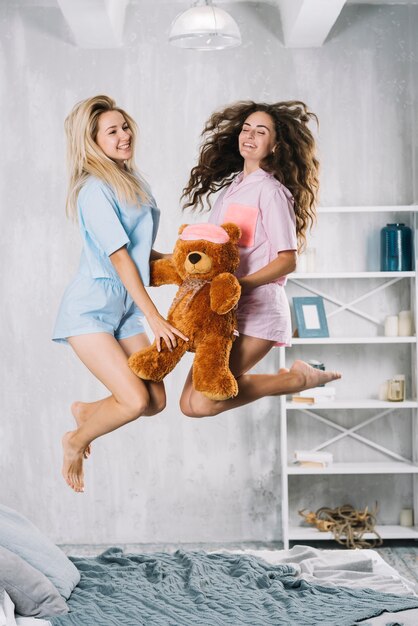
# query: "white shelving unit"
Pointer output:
{"type": "Point", "coordinates": [372, 410]}
{"type": "Point", "coordinates": [361, 340]}
{"type": "Point", "coordinates": [386, 532]}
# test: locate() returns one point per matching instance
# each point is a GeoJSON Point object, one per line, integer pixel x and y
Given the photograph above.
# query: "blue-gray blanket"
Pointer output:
{"type": "Point", "coordinates": [196, 588]}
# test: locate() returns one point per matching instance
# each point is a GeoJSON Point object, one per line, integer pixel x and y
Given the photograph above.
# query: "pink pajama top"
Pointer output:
{"type": "Point", "coordinates": [263, 209]}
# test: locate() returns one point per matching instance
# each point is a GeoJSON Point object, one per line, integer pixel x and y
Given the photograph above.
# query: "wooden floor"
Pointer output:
{"type": "Point", "coordinates": [404, 558]}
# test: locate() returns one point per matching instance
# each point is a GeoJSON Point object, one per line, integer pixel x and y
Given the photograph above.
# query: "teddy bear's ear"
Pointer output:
{"type": "Point", "coordinates": [233, 231]}
{"type": "Point", "coordinates": [182, 227]}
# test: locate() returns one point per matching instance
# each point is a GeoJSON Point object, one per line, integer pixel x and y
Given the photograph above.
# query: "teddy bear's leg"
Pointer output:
{"type": "Point", "coordinates": [149, 364]}
{"type": "Point", "coordinates": [211, 373]}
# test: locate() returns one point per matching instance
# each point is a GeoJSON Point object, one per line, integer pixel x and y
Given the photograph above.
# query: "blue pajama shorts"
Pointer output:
{"type": "Point", "coordinates": [97, 305]}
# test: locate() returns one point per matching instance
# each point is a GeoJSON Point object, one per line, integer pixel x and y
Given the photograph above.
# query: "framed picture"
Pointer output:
{"type": "Point", "coordinates": [310, 317]}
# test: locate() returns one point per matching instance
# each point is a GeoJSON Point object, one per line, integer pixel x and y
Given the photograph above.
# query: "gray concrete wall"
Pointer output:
{"type": "Point", "coordinates": [167, 479]}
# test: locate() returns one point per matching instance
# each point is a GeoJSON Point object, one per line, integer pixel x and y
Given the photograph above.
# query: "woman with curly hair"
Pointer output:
{"type": "Point", "coordinates": [262, 157]}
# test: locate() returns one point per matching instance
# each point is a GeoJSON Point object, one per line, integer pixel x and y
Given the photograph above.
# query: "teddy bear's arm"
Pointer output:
{"type": "Point", "coordinates": [225, 291]}
{"type": "Point", "coordinates": [163, 272]}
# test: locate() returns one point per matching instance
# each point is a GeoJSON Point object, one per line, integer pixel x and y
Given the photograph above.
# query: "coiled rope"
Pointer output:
{"type": "Point", "coordinates": [347, 524]}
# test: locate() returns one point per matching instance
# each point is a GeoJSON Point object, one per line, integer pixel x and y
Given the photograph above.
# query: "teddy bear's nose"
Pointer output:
{"type": "Point", "coordinates": [194, 258]}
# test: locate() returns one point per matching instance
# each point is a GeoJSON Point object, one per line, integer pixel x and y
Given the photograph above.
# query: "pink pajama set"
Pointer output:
{"type": "Point", "coordinates": [263, 209]}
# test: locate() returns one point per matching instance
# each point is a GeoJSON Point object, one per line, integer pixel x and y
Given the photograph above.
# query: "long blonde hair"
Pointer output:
{"type": "Point", "coordinates": [85, 158]}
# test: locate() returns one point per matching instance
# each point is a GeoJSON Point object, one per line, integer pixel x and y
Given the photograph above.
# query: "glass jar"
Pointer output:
{"type": "Point", "coordinates": [396, 388]}
{"type": "Point", "coordinates": [396, 248]}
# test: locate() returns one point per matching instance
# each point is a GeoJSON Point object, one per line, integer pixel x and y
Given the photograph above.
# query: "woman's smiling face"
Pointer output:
{"type": "Point", "coordinates": [257, 137]}
{"type": "Point", "coordinates": [114, 137]}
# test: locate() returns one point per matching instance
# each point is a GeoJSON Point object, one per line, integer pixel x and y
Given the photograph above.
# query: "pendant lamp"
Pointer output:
{"type": "Point", "coordinates": [204, 27]}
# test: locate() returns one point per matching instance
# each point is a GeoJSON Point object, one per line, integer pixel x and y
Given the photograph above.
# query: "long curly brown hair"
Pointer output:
{"type": "Point", "coordinates": [293, 162]}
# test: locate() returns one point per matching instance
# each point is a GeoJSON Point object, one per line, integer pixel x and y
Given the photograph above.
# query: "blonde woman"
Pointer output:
{"type": "Point", "coordinates": [101, 311]}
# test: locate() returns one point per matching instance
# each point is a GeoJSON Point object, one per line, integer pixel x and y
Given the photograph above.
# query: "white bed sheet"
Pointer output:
{"type": "Point", "coordinates": [8, 617]}
{"type": "Point", "coordinates": [349, 568]}
{"type": "Point", "coordinates": [7, 611]}
{"type": "Point", "coordinates": [31, 621]}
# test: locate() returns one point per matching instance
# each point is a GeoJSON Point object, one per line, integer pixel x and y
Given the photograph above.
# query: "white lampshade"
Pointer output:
{"type": "Point", "coordinates": [205, 28]}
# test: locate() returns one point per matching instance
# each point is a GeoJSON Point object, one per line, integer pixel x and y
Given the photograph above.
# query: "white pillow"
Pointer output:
{"type": "Point", "coordinates": [20, 536]}
{"type": "Point", "coordinates": [30, 590]}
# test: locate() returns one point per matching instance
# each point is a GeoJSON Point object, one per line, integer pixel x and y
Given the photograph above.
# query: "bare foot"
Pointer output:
{"type": "Point", "coordinates": [78, 409]}
{"type": "Point", "coordinates": [72, 468]}
{"type": "Point", "coordinates": [308, 377]}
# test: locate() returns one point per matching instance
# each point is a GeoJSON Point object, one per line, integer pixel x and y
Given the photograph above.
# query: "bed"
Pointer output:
{"type": "Point", "coordinates": [41, 586]}
{"type": "Point", "coordinates": [231, 588]}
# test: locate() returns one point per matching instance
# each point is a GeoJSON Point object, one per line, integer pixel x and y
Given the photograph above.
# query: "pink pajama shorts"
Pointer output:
{"type": "Point", "coordinates": [264, 313]}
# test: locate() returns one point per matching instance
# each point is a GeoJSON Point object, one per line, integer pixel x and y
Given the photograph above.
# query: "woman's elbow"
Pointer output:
{"type": "Point", "coordinates": [292, 262]}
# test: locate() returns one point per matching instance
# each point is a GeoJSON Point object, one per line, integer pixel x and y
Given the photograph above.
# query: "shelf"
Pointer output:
{"type": "Point", "coordinates": [386, 467]}
{"type": "Point", "coordinates": [351, 404]}
{"type": "Point", "coordinates": [297, 533]}
{"type": "Point", "coordinates": [354, 288]}
{"type": "Point", "coordinates": [406, 208]}
{"type": "Point", "coordinates": [350, 340]}
{"type": "Point", "coordinates": [330, 275]}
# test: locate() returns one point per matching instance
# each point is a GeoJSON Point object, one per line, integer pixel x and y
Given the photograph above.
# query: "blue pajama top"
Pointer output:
{"type": "Point", "coordinates": [96, 300]}
{"type": "Point", "coordinates": [107, 224]}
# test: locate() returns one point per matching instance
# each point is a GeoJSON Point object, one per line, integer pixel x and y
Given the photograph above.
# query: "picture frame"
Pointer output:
{"type": "Point", "coordinates": [310, 317]}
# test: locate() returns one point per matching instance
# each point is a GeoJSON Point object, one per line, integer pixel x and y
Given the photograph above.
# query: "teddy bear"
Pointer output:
{"type": "Point", "coordinates": [203, 261]}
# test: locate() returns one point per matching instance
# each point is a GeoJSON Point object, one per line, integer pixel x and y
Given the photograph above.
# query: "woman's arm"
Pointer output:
{"type": "Point", "coordinates": [159, 255]}
{"type": "Point", "coordinates": [131, 279]}
{"type": "Point", "coordinates": [283, 265]}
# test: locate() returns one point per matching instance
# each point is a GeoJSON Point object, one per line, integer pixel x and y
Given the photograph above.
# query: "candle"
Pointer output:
{"type": "Point", "coordinates": [383, 390]}
{"type": "Point", "coordinates": [391, 326]}
{"type": "Point", "coordinates": [396, 388]}
{"type": "Point", "coordinates": [405, 324]}
{"type": "Point", "coordinates": [406, 517]}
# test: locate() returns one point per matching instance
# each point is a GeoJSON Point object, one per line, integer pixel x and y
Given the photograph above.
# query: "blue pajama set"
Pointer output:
{"type": "Point", "coordinates": [96, 301]}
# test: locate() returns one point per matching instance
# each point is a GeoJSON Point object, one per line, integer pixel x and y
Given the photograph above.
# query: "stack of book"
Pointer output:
{"type": "Point", "coordinates": [312, 458]}
{"type": "Point", "coordinates": [317, 394]}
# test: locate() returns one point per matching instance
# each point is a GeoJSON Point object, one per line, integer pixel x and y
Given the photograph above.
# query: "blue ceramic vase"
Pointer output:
{"type": "Point", "coordinates": [396, 248]}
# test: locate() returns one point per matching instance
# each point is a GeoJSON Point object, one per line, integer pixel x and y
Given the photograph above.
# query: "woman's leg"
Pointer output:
{"type": "Point", "coordinates": [82, 411]}
{"type": "Point", "coordinates": [157, 398]}
{"type": "Point", "coordinates": [246, 352]}
{"type": "Point", "coordinates": [129, 399]}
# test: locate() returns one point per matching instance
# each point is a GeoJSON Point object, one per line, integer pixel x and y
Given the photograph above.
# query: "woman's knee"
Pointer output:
{"type": "Point", "coordinates": [186, 408]}
{"type": "Point", "coordinates": [135, 404]}
{"type": "Point", "coordinates": [196, 405]}
{"type": "Point", "coordinates": [156, 404]}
